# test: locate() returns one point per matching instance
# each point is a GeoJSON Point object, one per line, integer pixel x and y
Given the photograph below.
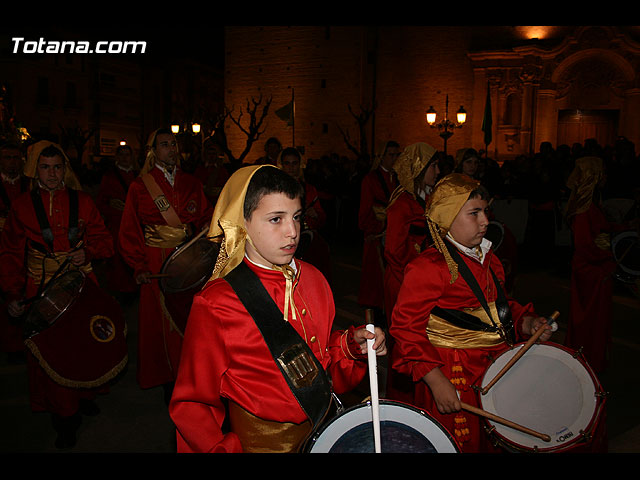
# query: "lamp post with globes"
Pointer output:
{"type": "Point", "coordinates": [446, 126]}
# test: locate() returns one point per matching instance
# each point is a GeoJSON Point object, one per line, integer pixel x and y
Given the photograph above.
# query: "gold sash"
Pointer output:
{"type": "Point", "coordinates": [164, 236]}
{"type": "Point", "coordinates": [38, 265]}
{"type": "Point", "coordinates": [443, 334]}
{"type": "Point", "coordinates": [265, 436]}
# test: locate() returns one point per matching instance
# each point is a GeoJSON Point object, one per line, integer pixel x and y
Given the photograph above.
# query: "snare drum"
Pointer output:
{"type": "Point", "coordinates": [403, 429]}
{"type": "Point", "coordinates": [184, 273]}
{"type": "Point", "coordinates": [77, 331]}
{"type": "Point", "coordinates": [626, 251]}
{"type": "Point", "coordinates": [551, 390]}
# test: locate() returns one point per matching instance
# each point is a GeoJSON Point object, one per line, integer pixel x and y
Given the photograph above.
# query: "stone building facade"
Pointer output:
{"type": "Point", "coordinates": [547, 84]}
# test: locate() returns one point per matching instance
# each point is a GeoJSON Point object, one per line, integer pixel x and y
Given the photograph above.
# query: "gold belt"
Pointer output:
{"type": "Point", "coordinates": [164, 236]}
{"type": "Point", "coordinates": [443, 334]}
{"type": "Point", "coordinates": [39, 265]}
{"type": "Point", "coordinates": [265, 436]}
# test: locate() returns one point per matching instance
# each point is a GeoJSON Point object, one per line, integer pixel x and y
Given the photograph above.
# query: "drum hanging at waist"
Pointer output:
{"type": "Point", "coordinates": [403, 429]}
{"type": "Point", "coordinates": [77, 332]}
{"type": "Point", "coordinates": [551, 390]}
{"type": "Point", "coordinates": [183, 274]}
{"type": "Point", "coordinates": [626, 251]}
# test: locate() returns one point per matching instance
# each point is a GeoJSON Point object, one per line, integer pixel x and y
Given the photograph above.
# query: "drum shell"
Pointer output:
{"type": "Point", "coordinates": [329, 436]}
{"type": "Point", "coordinates": [86, 345]}
{"type": "Point", "coordinates": [184, 273]}
{"type": "Point", "coordinates": [626, 252]}
{"type": "Point", "coordinates": [590, 436]}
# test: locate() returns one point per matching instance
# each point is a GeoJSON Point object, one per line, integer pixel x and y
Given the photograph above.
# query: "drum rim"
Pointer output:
{"type": "Point", "coordinates": [599, 402]}
{"type": "Point", "coordinates": [501, 227]}
{"type": "Point", "coordinates": [67, 307]}
{"type": "Point", "coordinates": [614, 242]}
{"type": "Point", "coordinates": [383, 402]}
{"type": "Point", "coordinates": [177, 251]}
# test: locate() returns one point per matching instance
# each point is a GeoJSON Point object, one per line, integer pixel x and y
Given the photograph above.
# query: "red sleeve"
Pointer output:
{"type": "Point", "coordinates": [367, 221]}
{"type": "Point", "coordinates": [585, 227]}
{"type": "Point", "coordinates": [12, 254]}
{"type": "Point", "coordinates": [131, 236]}
{"type": "Point", "coordinates": [196, 407]}
{"type": "Point", "coordinates": [413, 353]}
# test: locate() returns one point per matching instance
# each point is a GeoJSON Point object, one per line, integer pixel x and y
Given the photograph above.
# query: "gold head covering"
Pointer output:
{"type": "Point", "coordinates": [411, 162]}
{"type": "Point", "coordinates": [150, 159]}
{"type": "Point", "coordinates": [583, 181]}
{"type": "Point", "coordinates": [227, 223]}
{"type": "Point", "coordinates": [444, 204]}
{"type": "Point", "coordinates": [31, 166]}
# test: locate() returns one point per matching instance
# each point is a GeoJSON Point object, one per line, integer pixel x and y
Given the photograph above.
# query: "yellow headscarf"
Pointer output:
{"type": "Point", "coordinates": [150, 159]}
{"type": "Point", "coordinates": [227, 223]}
{"type": "Point", "coordinates": [31, 166]}
{"type": "Point", "coordinates": [445, 202]}
{"type": "Point", "coordinates": [411, 162]}
{"type": "Point", "coordinates": [583, 181]}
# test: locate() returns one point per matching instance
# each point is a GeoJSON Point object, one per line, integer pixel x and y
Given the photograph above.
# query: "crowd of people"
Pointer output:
{"type": "Point", "coordinates": [414, 209]}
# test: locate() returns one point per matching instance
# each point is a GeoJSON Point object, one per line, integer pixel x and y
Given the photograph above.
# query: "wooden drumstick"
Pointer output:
{"type": "Point", "coordinates": [159, 275]}
{"type": "Point", "coordinates": [504, 421]}
{"type": "Point", "coordinates": [521, 352]}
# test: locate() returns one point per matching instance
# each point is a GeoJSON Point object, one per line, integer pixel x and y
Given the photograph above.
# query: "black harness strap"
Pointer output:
{"type": "Point", "coordinates": [41, 215]}
{"type": "Point", "coordinates": [502, 305]}
{"type": "Point", "coordinates": [312, 393]}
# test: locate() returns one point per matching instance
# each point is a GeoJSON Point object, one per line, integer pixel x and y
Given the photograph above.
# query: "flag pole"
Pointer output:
{"type": "Point", "coordinates": [293, 118]}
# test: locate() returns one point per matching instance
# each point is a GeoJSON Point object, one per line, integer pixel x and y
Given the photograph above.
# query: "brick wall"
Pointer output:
{"type": "Point", "coordinates": [329, 69]}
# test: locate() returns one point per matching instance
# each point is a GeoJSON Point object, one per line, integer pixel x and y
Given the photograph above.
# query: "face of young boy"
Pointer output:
{"type": "Point", "coordinates": [470, 225]}
{"type": "Point", "coordinates": [274, 228]}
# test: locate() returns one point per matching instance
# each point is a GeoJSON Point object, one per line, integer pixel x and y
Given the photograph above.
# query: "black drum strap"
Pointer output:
{"type": "Point", "coordinates": [43, 221]}
{"type": "Point", "coordinates": [502, 305]}
{"type": "Point", "coordinates": [292, 355]}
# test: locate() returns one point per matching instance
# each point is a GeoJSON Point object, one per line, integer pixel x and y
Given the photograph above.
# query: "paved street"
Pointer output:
{"type": "Point", "coordinates": [136, 421]}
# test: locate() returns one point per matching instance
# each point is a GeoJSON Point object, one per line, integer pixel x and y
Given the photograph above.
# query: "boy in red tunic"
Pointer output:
{"type": "Point", "coordinates": [110, 201]}
{"type": "Point", "coordinates": [227, 369]}
{"type": "Point", "coordinates": [445, 359]}
{"type": "Point", "coordinates": [405, 237]}
{"type": "Point", "coordinates": [30, 258]}
{"type": "Point", "coordinates": [375, 193]}
{"type": "Point", "coordinates": [147, 238]}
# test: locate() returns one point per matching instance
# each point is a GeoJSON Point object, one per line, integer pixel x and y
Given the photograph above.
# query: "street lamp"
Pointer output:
{"type": "Point", "coordinates": [445, 126]}
{"type": "Point", "coordinates": [175, 129]}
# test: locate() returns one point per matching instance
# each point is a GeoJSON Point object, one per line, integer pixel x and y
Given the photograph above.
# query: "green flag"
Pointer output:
{"type": "Point", "coordinates": [487, 120]}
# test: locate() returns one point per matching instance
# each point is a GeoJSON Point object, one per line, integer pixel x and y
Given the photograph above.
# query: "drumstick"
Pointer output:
{"type": "Point", "coordinates": [159, 275]}
{"type": "Point", "coordinates": [373, 381]}
{"type": "Point", "coordinates": [508, 423]}
{"type": "Point", "coordinates": [521, 352]}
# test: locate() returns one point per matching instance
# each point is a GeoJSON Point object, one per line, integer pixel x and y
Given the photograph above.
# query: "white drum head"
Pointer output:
{"type": "Point", "coordinates": [546, 390]}
{"type": "Point", "coordinates": [403, 429]}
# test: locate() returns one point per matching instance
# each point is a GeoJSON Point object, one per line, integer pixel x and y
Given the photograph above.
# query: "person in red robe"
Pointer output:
{"type": "Point", "coordinates": [147, 238]}
{"type": "Point", "coordinates": [211, 171]}
{"type": "Point", "coordinates": [443, 359]}
{"type": "Point", "coordinates": [110, 200]}
{"type": "Point", "coordinates": [227, 370]}
{"type": "Point", "coordinates": [12, 184]}
{"type": "Point", "coordinates": [313, 248]}
{"type": "Point", "coordinates": [405, 237]}
{"type": "Point", "coordinates": [376, 189]}
{"type": "Point", "coordinates": [24, 275]}
{"type": "Point", "coordinates": [592, 264]}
